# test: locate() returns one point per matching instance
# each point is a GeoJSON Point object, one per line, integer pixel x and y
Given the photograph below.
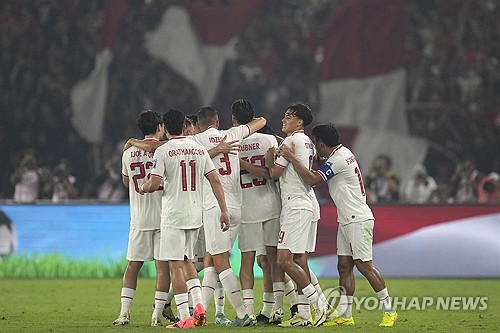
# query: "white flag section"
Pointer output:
{"type": "Point", "coordinates": [466, 247]}
{"type": "Point", "coordinates": [176, 43]}
{"type": "Point", "coordinates": [376, 102]}
{"type": "Point", "coordinates": [405, 151]}
{"type": "Point", "coordinates": [88, 100]}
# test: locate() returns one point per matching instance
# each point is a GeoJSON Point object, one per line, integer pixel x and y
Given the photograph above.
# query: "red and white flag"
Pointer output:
{"type": "Point", "coordinates": [88, 97]}
{"type": "Point", "coordinates": [196, 40]}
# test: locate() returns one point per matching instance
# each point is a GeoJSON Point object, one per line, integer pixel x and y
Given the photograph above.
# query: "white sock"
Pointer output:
{"type": "Point", "coordinates": [315, 283]}
{"type": "Point", "coordinates": [170, 295]}
{"type": "Point", "coordinates": [127, 296]}
{"type": "Point", "coordinates": [219, 298]}
{"type": "Point", "coordinates": [248, 301]}
{"type": "Point", "coordinates": [303, 307]}
{"type": "Point", "coordinates": [312, 295]}
{"type": "Point", "coordinates": [267, 304]}
{"type": "Point", "coordinates": [232, 289]}
{"type": "Point", "coordinates": [279, 292]}
{"type": "Point", "coordinates": [160, 301]}
{"type": "Point", "coordinates": [385, 299]}
{"type": "Point", "coordinates": [290, 292]}
{"type": "Point", "coordinates": [210, 277]}
{"type": "Point", "coordinates": [181, 301]}
{"type": "Point", "coordinates": [194, 289]}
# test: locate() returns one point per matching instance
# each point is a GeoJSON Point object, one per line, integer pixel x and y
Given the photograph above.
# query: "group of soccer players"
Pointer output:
{"type": "Point", "coordinates": [193, 194]}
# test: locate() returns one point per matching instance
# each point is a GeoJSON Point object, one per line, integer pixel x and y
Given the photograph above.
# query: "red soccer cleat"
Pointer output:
{"type": "Point", "coordinates": [199, 315]}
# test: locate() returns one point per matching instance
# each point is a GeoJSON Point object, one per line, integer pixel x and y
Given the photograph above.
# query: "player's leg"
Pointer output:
{"type": "Point", "coordinates": [267, 297]}
{"type": "Point", "coordinates": [161, 291]}
{"type": "Point", "coordinates": [362, 234]}
{"type": "Point", "coordinates": [218, 245]}
{"type": "Point", "coordinates": [139, 249]}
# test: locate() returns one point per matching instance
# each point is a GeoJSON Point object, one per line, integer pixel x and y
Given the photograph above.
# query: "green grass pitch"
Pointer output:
{"type": "Point", "coordinates": [90, 305]}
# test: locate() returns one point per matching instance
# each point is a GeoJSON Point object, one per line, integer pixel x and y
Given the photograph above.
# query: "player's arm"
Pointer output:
{"type": "Point", "coordinates": [311, 177]}
{"type": "Point", "coordinates": [256, 124]}
{"type": "Point", "coordinates": [257, 170]}
{"type": "Point", "coordinates": [214, 181]}
{"type": "Point", "coordinates": [125, 180]}
{"type": "Point", "coordinates": [146, 145]}
{"type": "Point", "coordinates": [151, 185]}
{"type": "Point", "coordinates": [225, 147]}
{"type": "Point", "coordinates": [275, 171]}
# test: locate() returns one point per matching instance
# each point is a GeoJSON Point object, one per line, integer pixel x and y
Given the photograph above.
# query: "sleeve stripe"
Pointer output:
{"type": "Point", "coordinates": [209, 172]}
{"type": "Point", "coordinates": [281, 166]}
{"type": "Point", "coordinates": [248, 128]}
{"type": "Point", "coordinates": [322, 175]}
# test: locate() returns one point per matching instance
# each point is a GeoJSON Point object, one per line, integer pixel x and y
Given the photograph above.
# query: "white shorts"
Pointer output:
{"type": "Point", "coordinates": [143, 245]}
{"type": "Point", "coordinates": [177, 243]}
{"type": "Point", "coordinates": [311, 240]}
{"type": "Point", "coordinates": [217, 241]}
{"type": "Point", "coordinates": [199, 250]}
{"type": "Point", "coordinates": [295, 227]}
{"type": "Point", "coordinates": [355, 240]}
{"type": "Point", "coordinates": [271, 232]}
{"type": "Point", "coordinates": [251, 237]}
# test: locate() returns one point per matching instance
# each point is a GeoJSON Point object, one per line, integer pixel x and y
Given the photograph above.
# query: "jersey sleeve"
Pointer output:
{"type": "Point", "coordinates": [124, 163]}
{"type": "Point", "coordinates": [239, 132]}
{"type": "Point", "coordinates": [281, 161]}
{"type": "Point", "coordinates": [209, 164]}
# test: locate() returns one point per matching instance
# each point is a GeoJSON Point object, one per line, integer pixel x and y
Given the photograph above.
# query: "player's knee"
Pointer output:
{"type": "Point", "coordinates": [262, 262]}
{"type": "Point", "coordinates": [344, 268]}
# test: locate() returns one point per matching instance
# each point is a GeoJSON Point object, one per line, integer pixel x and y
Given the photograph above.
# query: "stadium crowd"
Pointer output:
{"type": "Point", "coordinates": [46, 47]}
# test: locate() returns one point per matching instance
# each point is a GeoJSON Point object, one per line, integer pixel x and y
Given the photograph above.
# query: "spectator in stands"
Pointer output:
{"type": "Point", "coordinates": [63, 183]}
{"type": "Point", "coordinates": [421, 188]}
{"type": "Point", "coordinates": [464, 182]}
{"type": "Point", "coordinates": [382, 183]}
{"type": "Point", "coordinates": [26, 179]}
{"type": "Point", "coordinates": [488, 190]}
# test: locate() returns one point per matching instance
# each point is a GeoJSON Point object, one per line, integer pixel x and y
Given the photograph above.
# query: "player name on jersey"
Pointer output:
{"type": "Point", "coordinates": [140, 153]}
{"type": "Point", "coordinates": [251, 146]}
{"type": "Point", "coordinates": [185, 151]}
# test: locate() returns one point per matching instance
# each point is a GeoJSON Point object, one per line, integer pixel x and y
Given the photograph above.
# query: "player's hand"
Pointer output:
{"type": "Point", "coordinates": [287, 152]}
{"type": "Point", "coordinates": [228, 147]}
{"type": "Point", "coordinates": [224, 221]}
{"type": "Point", "coordinates": [141, 189]}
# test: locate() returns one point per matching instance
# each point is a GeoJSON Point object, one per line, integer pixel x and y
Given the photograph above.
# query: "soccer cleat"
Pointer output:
{"type": "Point", "coordinates": [221, 319]}
{"type": "Point", "coordinates": [168, 314]}
{"type": "Point", "coordinates": [276, 317]}
{"type": "Point", "coordinates": [199, 315]}
{"type": "Point", "coordinates": [262, 319]}
{"type": "Point", "coordinates": [296, 320]}
{"type": "Point", "coordinates": [155, 321]}
{"type": "Point", "coordinates": [332, 313]}
{"type": "Point", "coordinates": [339, 321]}
{"type": "Point", "coordinates": [123, 319]}
{"type": "Point", "coordinates": [246, 321]}
{"type": "Point", "coordinates": [320, 315]}
{"type": "Point", "coordinates": [253, 319]}
{"type": "Point", "coordinates": [293, 310]}
{"type": "Point", "coordinates": [388, 319]}
{"type": "Point", "coordinates": [188, 323]}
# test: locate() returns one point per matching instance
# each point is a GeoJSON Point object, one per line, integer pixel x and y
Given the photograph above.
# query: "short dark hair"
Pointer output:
{"type": "Point", "coordinates": [207, 116]}
{"type": "Point", "coordinates": [193, 119]}
{"type": "Point", "coordinates": [174, 121]}
{"type": "Point", "coordinates": [243, 111]}
{"type": "Point", "coordinates": [148, 121]}
{"type": "Point", "coordinates": [326, 133]}
{"type": "Point", "coordinates": [301, 111]}
{"type": "Point", "coordinates": [267, 130]}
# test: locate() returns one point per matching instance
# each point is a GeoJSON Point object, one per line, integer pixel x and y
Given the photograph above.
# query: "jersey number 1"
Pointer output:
{"type": "Point", "coordinates": [192, 169]}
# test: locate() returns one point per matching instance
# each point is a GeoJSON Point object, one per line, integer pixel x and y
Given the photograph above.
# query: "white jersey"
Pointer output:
{"type": "Point", "coordinates": [183, 164]}
{"type": "Point", "coordinates": [145, 209]}
{"type": "Point", "coordinates": [295, 193]}
{"type": "Point", "coordinates": [227, 165]}
{"type": "Point", "coordinates": [345, 184]}
{"type": "Point", "coordinates": [261, 198]}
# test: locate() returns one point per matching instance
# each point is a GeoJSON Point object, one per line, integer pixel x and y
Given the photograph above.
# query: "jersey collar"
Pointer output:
{"type": "Point", "coordinates": [335, 149]}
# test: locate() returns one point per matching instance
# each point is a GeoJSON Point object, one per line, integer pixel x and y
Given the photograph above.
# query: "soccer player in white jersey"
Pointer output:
{"type": "Point", "coordinates": [218, 243]}
{"type": "Point", "coordinates": [183, 165]}
{"type": "Point", "coordinates": [145, 210]}
{"type": "Point", "coordinates": [354, 239]}
{"type": "Point", "coordinates": [261, 203]}
{"type": "Point", "coordinates": [297, 214]}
